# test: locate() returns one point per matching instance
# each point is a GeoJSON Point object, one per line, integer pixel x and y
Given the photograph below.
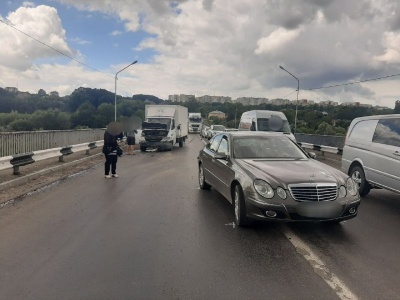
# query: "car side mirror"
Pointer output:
{"type": "Point", "coordinates": [221, 155]}
{"type": "Point", "coordinates": [312, 155]}
{"type": "Point", "coordinates": [179, 127]}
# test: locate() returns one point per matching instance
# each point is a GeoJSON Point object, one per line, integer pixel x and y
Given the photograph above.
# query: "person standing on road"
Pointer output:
{"type": "Point", "coordinates": [130, 139]}
{"type": "Point", "coordinates": [110, 150]}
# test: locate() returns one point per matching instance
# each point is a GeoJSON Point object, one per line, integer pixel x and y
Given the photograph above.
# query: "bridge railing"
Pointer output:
{"type": "Point", "coordinates": [12, 143]}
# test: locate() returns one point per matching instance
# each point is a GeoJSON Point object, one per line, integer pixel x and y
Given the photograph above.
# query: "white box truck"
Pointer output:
{"type": "Point", "coordinates": [195, 121]}
{"type": "Point", "coordinates": [164, 126]}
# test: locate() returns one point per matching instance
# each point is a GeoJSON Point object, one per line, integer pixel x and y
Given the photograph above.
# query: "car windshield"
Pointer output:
{"type": "Point", "coordinates": [219, 128]}
{"type": "Point", "coordinates": [271, 147]}
{"type": "Point", "coordinates": [160, 120]}
{"type": "Point", "coordinates": [263, 124]}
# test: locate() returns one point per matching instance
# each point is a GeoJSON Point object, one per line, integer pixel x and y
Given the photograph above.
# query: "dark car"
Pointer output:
{"type": "Point", "coordinates": [267, 176]}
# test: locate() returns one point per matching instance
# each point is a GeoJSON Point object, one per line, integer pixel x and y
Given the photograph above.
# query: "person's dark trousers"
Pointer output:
{"type": "Point", "coordinates": [111, 161]}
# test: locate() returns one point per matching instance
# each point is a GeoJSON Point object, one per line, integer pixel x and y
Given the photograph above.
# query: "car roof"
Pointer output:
{"type": "Point", "coordinates": [377, 117]}
{"type": "Point", "coordinates": [253, 133]}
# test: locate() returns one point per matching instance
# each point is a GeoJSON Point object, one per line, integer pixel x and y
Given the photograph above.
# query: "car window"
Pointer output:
{"type": "Point", "coordinates": [218, 127]}
{"type": "Point", "coordinates": [215, 142]}
{"type": "Point", "coordinates": [363, 130]}
{"type": "Point", "coordinates": [387, 132]}
{"type": "Point", "coordinates": [274, 147]}
{"type": "Point", "coordinates": [223, 146]}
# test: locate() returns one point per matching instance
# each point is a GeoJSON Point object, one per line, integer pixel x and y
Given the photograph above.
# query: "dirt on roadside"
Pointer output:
{"type": "Point", "coordinates": [43, 173]}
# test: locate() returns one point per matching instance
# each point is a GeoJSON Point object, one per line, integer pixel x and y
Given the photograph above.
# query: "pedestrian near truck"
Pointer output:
{"type": "Point", "coordinates": [111, 151]}
{"type": "Point", "coordinates": [130, 140]}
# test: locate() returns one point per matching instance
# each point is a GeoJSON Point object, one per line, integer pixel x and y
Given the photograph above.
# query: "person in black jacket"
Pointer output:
{"type": "Point", "coordinates": [110, 150]}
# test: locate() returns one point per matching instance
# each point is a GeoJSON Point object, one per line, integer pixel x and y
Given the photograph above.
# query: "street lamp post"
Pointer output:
{"type": "Point", "coordinates": [115, 101]}
{"type": "Point", "coordinates": [297, 100]}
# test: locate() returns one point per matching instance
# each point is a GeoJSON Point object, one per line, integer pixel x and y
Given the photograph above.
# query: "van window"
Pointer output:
{"type": "Point", "coordinates": [388, 132]}
{"type": "Point", "coordinates": [363, 130]}
{"type": "Point", "coordinates": [263, 125]}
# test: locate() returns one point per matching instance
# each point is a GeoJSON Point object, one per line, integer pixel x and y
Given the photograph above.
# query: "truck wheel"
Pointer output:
{"type": "Point", "coordinates": [180, 142]}
{"type": "Point", "coordinates": [143, 149]}
{"type": "Point", "coordinates": [358, 175]}
{"type": "Point", "coordinates": [172, 146]}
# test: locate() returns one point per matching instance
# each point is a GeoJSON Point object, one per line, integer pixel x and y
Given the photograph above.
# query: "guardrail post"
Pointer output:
{"type": "Point", "coordinates": [91, 146]}
{"type": "Point", "coordinates": [64, 151]}
{"type": "Point", "coordinates": [21, 160]}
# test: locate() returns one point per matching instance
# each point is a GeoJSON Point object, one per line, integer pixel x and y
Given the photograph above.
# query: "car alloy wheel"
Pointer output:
{"type": "Point", "coordinates": [202, 180]}
{"type": "Point", "coordinates": [240, 207]}
{"type": "Point", "coordinates": [358, 175]}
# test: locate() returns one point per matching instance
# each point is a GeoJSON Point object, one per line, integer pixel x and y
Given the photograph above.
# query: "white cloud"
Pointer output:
{"type": "Point", "coordinates": [115, 33]}
{"type": "Point", "coordinates": [231, 47]}
{"type": "Point", "coordinates": [80, 41]}
{"type": "Point", "coordinates": [276, 40]}
{"type": "Point", "coordinates": [42, 23]}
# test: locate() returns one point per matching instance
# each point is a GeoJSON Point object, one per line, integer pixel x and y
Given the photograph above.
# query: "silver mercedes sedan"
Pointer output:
{"type": "Point", "coordinates": [267, 176]}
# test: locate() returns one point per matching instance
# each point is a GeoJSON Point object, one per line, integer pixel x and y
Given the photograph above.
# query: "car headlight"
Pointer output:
{"type": "Point", "coordinates": [263, 188]}
{"type": "Point", "coordinates": [342, 191]}
{"type": "Point", "coordinates": [352, 187]}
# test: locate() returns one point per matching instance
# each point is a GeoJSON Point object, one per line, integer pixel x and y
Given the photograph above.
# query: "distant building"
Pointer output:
{"type": "Point", "coordinates": [281, 102]}
{"type": "Point", "coordinates": [181, 98]}
{"type": "Point", "coordinates": [23, 95]}
{"type": "Point", "coordinates": [211, 99]}
{"type": "Point", "coordinates": [11, 89]}
{"type": "Point", "coordinates": [217, 114]}
{"type": "Point", "coordinates": [328, 103]}
{"type": "Point", "coordinates": [251, 100]}
{"type": "Point", "coordinates": [54, 94]}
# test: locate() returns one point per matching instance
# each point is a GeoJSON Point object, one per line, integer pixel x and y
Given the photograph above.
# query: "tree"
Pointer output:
{"type": "Point", "coordinates": [397, 107]}
{"type": "Point", "coordinates": [42, 93]}
{"type": "Point", "coordinates": [325, 129]}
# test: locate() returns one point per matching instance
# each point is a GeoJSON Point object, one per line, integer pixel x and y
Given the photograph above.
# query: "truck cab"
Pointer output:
{"type": "Point", "coordinates": [164, 126]}
{"type": "Point", "coordinates": [195, 121]}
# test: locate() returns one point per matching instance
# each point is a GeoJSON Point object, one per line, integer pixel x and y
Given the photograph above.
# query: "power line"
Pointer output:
{"type": "Point", "coordinates": [60, 52]}
{"type": "Point", "coordinates": [350, 83]}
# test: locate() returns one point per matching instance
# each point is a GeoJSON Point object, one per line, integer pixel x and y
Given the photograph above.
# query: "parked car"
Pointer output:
{"type": "Point", "coordinates": [267, 176]}
{"type": "Point", "coordinates": [371, 153]}
{"type": "Point", "coordinates": [214, 129]}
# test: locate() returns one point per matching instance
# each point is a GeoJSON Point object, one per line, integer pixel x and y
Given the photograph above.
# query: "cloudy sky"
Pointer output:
{"type": "Point", "coordinates": [205, 47]}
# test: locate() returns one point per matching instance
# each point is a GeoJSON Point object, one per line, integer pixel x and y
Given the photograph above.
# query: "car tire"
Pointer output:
{"type": "Point", "coordinates": [143, 149]}
{"type": "Point", "coordinates": [358, 175]}
{"type": "Point", "coordinates": [202, 179]}
{"type": "Point", "coordinates": [239, 207]}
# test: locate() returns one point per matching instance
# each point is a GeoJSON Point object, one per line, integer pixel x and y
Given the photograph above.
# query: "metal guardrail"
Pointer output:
{"type": "Point", "coordinates": [321, 148]}
{"type": "Point", "coordinates": [18, 160]}
{"type": "Point", "coordinates": [326, 140]}
{"type": "Point", "coordinates": [12, 143]}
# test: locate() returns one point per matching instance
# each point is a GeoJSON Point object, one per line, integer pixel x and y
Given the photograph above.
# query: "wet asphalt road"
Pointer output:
{"type": "Point", "coordinates": [152, 234]}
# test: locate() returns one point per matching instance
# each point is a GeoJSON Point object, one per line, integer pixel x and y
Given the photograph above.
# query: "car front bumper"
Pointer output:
{"type": "Point", "coordinates": [290, 210]}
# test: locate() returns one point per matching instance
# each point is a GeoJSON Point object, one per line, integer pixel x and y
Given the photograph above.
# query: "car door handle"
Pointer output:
{"type": "Point", "coordinates": [396, 153]}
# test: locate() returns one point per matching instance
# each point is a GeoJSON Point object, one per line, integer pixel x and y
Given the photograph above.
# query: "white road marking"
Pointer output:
{"type": "Point", "coordinates": [319, 267]}
{"type": "Point", "coordinates": [231, 224]}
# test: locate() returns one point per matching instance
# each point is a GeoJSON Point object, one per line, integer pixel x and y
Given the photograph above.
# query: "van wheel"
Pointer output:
{"type": "Point", "coordinates": [180, 142]}
{"type": "Point", "coordinates": [358, 175]}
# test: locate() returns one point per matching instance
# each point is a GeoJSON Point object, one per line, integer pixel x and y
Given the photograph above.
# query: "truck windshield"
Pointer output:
{"type": "Point", "coordinates": [161, 121]}
{"type": "Point", "coordinates": [195, 119]}
{"type": "Point", "coordinates": [263, 125]}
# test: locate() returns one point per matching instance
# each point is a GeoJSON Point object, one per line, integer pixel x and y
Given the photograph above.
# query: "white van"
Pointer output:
{"type": "Point", "coordinates": [265, 120]}
{"type": "Point", "coordinates": [371, 153]}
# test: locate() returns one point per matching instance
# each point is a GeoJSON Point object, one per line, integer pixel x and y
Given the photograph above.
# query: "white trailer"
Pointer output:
{"type": "Point", "coordinates": [164, 126]}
